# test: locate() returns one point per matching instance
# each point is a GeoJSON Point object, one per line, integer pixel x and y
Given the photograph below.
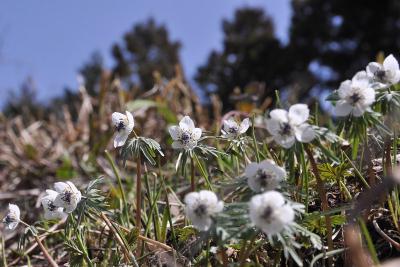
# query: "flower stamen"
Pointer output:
{"type": "Point", "coordinates": [286, 129]}
{"type": "Point", "coordinates": [120, 126]}
{"type": "Point", "coordinates": [200, 210]}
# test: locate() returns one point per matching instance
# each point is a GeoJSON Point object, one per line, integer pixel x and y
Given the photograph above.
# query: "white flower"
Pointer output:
{"type": "Point", "coordinates": [201, 207]}
{"type": "Point", "coordinates": [232, 128]}
{"type": "Point", "coordinates": [51, 211]}
{"type": "Point", "coordinates": [270, 212]}
{"type": "Point", "coordinates": [384, 74]}
{"type": "Point", "coordinates": [264, 176]}
{"type": "Point", "coordinates": [185, 135]}
{"type": "Point", "coordinates": [356, 96]}
{"type": "Point", "coordinates": [68, 196]}
{"type": "Point", "coordinates": [286, 127]}
{"type": "Point", "coordinates": [13, 217]}
{"type": "Point", "coordinates": [123, 125]}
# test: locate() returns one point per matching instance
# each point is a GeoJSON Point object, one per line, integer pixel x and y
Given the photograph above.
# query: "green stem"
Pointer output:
{"type": "Point", "coordinates": [254, 138]}
{"type": "Point", "coordinates": [358, 173]}
{"type": "Point", "coordinates": [392, 211]}
{"type": "Point", "coordinates": [169, 213]}
{"type": "Point", "coordinates": [237, 165]}
{"type": "Point", "coordinates": [121, 189]}
{"type": "Point", "coordinates": [368, 239]}
{"type": "Point", "coordinates": [84, 250]}
{"type": "Point", "coordinates": [203, 172]}
{"type": "Point", "coordinates": [192, 178]}
{"type": "Point", "coordinates": [138, 192]}
{"type": "Point", "coordinates": [305, 177]}
{"type": "Point", "coordinates": [346, 191]}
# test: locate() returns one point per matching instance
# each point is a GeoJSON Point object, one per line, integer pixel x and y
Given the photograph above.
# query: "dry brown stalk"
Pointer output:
{"type": "Point", "coordinates": [324, 200]}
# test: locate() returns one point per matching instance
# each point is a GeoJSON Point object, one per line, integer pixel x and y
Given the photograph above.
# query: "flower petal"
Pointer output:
{"type": "Point", "coordinates": [177, 145]}
{"type": "Point", "coordinates": [175, 132]}
{"type": "Point", "coordinates": [228, 124]}
{"type": "Point", "coordinates": [60, 186]}
{"type": "Point", "coordinates": [279, 115]}
{"type": "Point", "coordinates": [395, 77]}
{"type": "Point", "coordinates": [286, 141]}
{"type": "Point", "coordinates": [360, 80]}
{"type": "Point", "coordinates": [271, 165]}
{"type": "Point", "coordinates": [15, 210]}
{"type": "Point", "coordinates": [298, 114]}
{"type": "Point", "coordinates": [343, 108]}
{"type": "Point", "coordinates": [344, 88]}
{"type": "Point", "coordinates": [131, 122]}
{"type": "Point", "coordinates": [12, 225]}
{"type": "Point", "coordinates": [390, 63]}
{"type": "Point", "coordinates": [251, 169]}
{"type": "Point", "coordinates": [196, 134]}
{"type": "Point", "coordinates": [120, 139]}
{"type": "Point", "coordinates": [304, 133]}
{"type": "Point", "coordinates": [372, 68]}
{"type": "Point", "coordinates": [53, 215]}
{"type": "Point", "coordinates": [191, 198]}
{"type": "Point", "coordinates": [273, 126]}
{"type": "Point", "coordinates": [361, 75]}
{"type": "Point", "coordinates": [117, 117]}
{"type": "Point", "coordinates": [75, 190]}
{"type": "Point", "coordinates": [369, 96]}
{"type": "Point", "coordinates": [208, 197]}
{"type": "Point", "coordinates": [359, 110]}
{"type": "Point", "coordinates": [244, 126]}
{"type": "Point", "coordinates": [186, 123]}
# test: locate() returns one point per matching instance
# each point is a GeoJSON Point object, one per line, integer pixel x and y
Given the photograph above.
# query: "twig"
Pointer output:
{"type": "Point", "coordinates": [149, 240]}
{"type": "Point", "coordinates": [41, 238]}
{"type": "Point", "coordinates": [385, 236]}
{"type": "Point", "coordinates": [46, 254]}
{"type": "Point", "coordinates": [127, 253]}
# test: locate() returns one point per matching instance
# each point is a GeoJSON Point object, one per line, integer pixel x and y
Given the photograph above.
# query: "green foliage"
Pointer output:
{"type": "Point", "coordinates": [334, 173]}
{"type": "Point", "coordinates": [185, 233]}
{"type": "Point", "coordinates": [66, 170]}
{"type": "Point", "coordinates": [138, 146]}
{"type": "Point", "coordinates": [316, 223]}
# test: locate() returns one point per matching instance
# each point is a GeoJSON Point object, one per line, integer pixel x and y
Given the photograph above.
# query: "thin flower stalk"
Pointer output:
{"type": "Point", "coordinates": [129, 257]}
{"type": "Point", "coordinates": [324, 201]}
{"type": "Point", "coordinates": [192, 178]}
{"type": "Point", "coordinates": [46, 254]}
{"type": "Point", "coordinates": [121, 189]}
{"type": "Point", "coordinates": [138, 192]}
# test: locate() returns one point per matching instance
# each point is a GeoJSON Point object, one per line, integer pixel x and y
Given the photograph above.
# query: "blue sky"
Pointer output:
{"type": "Point", "coordinates": [49, 40]}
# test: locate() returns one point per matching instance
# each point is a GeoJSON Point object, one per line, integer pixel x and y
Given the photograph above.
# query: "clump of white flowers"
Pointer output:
{"type": "Point", "coordinates": [201, 207]}
{"type": "Point", "coordinates": [355, 96]}
{"type": "Point", "coordinates": [287, 127]}
{"type": "Point", "coordinates": [232, 129]}
{"type": "Point", "coordinates": [384, 74]}
{"type": "Point", "coordinates": [271, 212]}
{"type": "Point", "coordinates": [51, 211]}
{"type": "Point", "coordinates": [123, 124]}
{"type": "Point", "coordinates": [264, 176]}
{"type": "Point", "coordinates": [185, 135]}
{"type": "Point", "coordinates": [12, 218]}
{"type": "Point", "coordinates": [68, 196]}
